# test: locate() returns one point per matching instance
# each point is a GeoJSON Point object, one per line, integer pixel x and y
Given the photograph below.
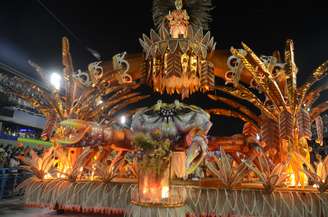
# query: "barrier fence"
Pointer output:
{"type": "Point", "coordinates": [9, 179]}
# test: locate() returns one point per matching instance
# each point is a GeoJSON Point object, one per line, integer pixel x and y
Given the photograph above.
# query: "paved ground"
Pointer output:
{"type": "Point", "coordinates": [15, 208]}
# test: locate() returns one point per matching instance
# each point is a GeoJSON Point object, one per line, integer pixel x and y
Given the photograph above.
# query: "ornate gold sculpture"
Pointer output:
{"type": "Point", "coordinates": [286, 112]}
{"type": "Point", "coordinates": [177, 60]}
{"type": "Point", "coordinates": [178, 21]}
{"type": "Point", "coordinates": [86, 95]}
{"type": "Point", "coordinates": [247, 174]}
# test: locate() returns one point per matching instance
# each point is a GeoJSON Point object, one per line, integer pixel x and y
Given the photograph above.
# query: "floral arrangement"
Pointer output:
{"type": "Point", "coordinates": [153, 151]}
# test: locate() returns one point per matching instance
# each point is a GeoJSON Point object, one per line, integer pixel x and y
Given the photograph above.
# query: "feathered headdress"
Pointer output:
{"type": "Point", "coordinates": [198, 11]}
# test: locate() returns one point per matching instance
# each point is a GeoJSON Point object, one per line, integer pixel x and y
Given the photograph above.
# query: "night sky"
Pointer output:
{"type": "Point", "coordinates": [28, 31]}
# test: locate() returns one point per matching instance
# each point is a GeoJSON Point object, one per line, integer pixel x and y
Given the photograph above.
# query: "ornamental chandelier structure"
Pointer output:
{"type": "Point", "coordinates": [176, 58]}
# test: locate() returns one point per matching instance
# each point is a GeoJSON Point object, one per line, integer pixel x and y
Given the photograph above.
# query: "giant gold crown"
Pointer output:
{"type": "Point", "coordinates": [176, 58]}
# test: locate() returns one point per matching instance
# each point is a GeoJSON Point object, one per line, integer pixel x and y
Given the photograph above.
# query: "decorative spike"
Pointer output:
{"type": "Point", "coordinates": [147, 40]}
{"type": "Point", "coordinates": [291, 72]}
{"type": "Point", "coordinates": [154, 36]}
{"type": "Point", "coordinates": [214, 46]}
{"type": "Point", "coordinates": [319, 72]}
{"type": "Point", "coordinates": [148, 53]}
{"type": "Point", "coordinates": [262, 77]}
{"type": "Point", "coordinates": [196, 50]}
{"type": "Point", "coordinates": [173, 45]}
{"type": "Point", "coordinates": [70, 87]}
{"type": "Point", "coordinates": [204, 52]}
{"type": "Point", "coordinates": [277, 55]}
{"type": "Point", "coordinates": [66, 59]}
{"type": "Point", "coordinates": [190, 32]}
{"type": "Point", "coordinates": [246, 47]}
{"type": "Point", "coordinates": [210, 43]}
{"type": "Point", "coordinates": [199, 35]}
{"type": "Point", "coordinates": [143, 45]}
{"type": "Point", "coordinates": [206, 38]}
{"type": "Point", "coordinates": [164, 33]}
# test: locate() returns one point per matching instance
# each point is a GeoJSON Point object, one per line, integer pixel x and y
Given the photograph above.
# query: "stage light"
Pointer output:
{"type": "Point", "coordinates": [123, 120]}
{"type": "Point", "coordinates": [99, 101]}
{"type": "Point", "coordinates": [55, 80]}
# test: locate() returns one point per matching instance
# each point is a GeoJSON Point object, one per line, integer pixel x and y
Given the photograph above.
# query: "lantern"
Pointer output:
{"type": "Point", "coordinates": [154, 169]}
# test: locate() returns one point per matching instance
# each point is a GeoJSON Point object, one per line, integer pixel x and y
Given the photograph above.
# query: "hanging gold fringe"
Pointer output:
{"type": "Point", "coordinates": [110, 198]}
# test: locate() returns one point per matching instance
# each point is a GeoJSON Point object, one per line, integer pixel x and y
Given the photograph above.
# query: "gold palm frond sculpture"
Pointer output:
{"type": "Point", "coordinates": [223, 168]}
{"type": "Point", "coordinates": [270, 175]}
{"type": "Point", "coordinates": [39, 165]}
{"type": "Point", "coordinates": [70, 169]}
{"type": "Point", "coordinates": [288, 108]}
{"type": "Point", "coordinates": [88, 96]}
{"type": "Point", "coordinates": [109, 169]}
{"type": "Point", "coordinates": [317, 175]}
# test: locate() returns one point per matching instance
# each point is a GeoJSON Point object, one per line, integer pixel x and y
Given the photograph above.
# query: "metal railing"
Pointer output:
{"type": "Point", "coordinates": [10, 178]}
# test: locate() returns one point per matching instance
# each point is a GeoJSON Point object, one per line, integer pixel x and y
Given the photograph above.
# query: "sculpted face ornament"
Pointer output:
{"type": "Point", "coordinates": [167, 112]}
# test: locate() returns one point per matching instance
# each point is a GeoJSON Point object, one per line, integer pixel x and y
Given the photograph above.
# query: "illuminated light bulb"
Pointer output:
{"type": "Point", "coordinates": [99, 101]}
{"type": "Point", "coordinates": [258, 137]}
{"type": "Point", "coordinates": [165, 192]}
{"type": "Point", "coordinates": [93, 172]}
{"type": "Point", "coordinates": [47, 176]}
{"type": "Point", "coordinates": [55, 80]}
{"type": "Point", "coordinates": [292, 180]}
{"type": "Point", "coordinates": [315, 186]}
{"type": "Point", "coordinates": [123, 120]}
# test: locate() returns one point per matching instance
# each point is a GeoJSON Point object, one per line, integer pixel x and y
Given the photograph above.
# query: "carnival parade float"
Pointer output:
{"type": "Point", "coordinates": [162, 160]}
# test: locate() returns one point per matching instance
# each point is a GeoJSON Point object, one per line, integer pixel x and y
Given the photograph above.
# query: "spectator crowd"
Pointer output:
{"type": "Point", "coordinates": [11, 155]}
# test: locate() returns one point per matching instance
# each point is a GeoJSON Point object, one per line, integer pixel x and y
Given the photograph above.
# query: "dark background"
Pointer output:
{"type": "Point", "coordinates": [28, 31]}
